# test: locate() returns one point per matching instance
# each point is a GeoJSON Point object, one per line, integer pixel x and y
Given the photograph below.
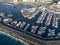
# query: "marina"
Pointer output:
{"type": "Point", "coordinates": [55, 22]}
{"type": "Point", "coordinates": [32, 21]}
{"type": "Point", "coordinates": [40, 19]}
{"type": "Point", "coordinates": [29, 22]}
{"type": "Point", "coordinates": [18, 21]}
{"type": "Point", "coordinates": [48, 21]}
{"type": "Point", "coordinates": [41, 30]}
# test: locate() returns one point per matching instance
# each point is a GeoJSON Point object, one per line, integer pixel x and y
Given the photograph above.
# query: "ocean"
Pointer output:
{"type": "Point", "coordinates": [6, 39]}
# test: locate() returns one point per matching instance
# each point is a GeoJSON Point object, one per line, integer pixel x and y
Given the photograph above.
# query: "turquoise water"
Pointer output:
{"type": "Point", "coordinates": [6, 39]}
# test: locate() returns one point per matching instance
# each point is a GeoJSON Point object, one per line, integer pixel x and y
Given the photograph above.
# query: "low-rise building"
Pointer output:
{"type": "Point", "coordinates": [45, 1]}
{"type": "Point", "coordinates": [28, 0]}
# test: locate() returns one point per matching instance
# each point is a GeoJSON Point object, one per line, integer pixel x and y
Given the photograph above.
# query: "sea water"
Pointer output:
{"type": "Point", "coordinates": [6, 39]}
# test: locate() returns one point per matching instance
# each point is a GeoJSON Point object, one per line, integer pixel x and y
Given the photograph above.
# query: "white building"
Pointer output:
{"type": "Point", "coordinates": [46, 1]}
{"type": "Point", "coordinates": [28, 0]}
{"type": "Point", "coordinates": [15, 1]}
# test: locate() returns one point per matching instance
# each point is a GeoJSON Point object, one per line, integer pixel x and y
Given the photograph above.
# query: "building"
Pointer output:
{"type": "Point", "coordinates": [44, 1]}
{"type": "Point", "coordinates": [15, 1]}
{"type": "Point", "coordinates": [29, 1]}
{"type": "Point", "coordinates": [11, 0]}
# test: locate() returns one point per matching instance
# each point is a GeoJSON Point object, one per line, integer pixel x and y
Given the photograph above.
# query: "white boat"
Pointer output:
{"type": "Point", "coordinates": [41, 18]}
{"type": "Point", "coordinates": [51, 32]}
{"type": "Point", "coordinates": [41, 30]}
{"type": "Point", "coordinates": [55, 22]}
{"type": "Point", "coordinates": [34, 28]}
{"type": "Point", "coordinates": [55, 9]}
{"type": "Point", "coordinates": [49, 17]}
{"type": "Point", "coordinates": [2, 14]}
{"type": "Point", "coordinates": [7, 20]}
{"type": "Point", "coordinates": [18, 24]}
{"type": "Point", "coordinates": [9, 15]}
{"type": "Point", "coordinates": [14, 22]}
{"type": "Point", "coordinates": [26, 27]}
{"type": "Point", "coordinates": [31, 9]}
{"type": "Point", "coordinates": [29, 13]}
{"type": "Point", "coordinates": [58, 34]}
{"type": "Point", "coordinates": [22, 24]}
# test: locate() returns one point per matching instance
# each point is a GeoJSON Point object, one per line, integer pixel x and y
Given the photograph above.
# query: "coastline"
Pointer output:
{"type": "Point", "coordinates": [26, 38]}
{"type": "Point", "coordinates": [13, 38]}
{"type": "Point", "coordinates": [16, 34]}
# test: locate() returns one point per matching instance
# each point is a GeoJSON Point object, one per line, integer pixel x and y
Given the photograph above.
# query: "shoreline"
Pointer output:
{"type": "Point", "coordinates": [16, 34]}
{"type": "Point", "coordinates": [21, 41]}
{"type": "Point", "coordinates": [26, 38]}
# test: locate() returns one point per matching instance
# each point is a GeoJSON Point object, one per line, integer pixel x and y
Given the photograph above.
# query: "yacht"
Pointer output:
{"type": "Point", "coordinates": [7, 20]}
{"type": "Point", "coordinates": [2, 14]}
{"type": "Point", "coordinates": [27, 26]}
{"type": "Point", "coordinates": [22, 24]}
{"type": "Point", "coordinates": [33, 14]}
{"type": "Point", "coordinates": [41, 30]}
{"type": "Point", "coordinates": [9, 15]}
{"type": "Point", "coordinates": [55, 22]}
{"type": "Point", "coordinates": [55, 9]}
{"type": "Point", "coordinates": [31, 10]}
{"type": "Point", "coordinates": [49, 17]}
{"type": "Point", "coordinates": [58, 34]}
{"type": "Point", "coordinates": [42, 8]}
{"type": "Point", "coordinates": [34, 28]}
{"type": "Point", "coordinates": [41, 18]}
{"type": "Point", "coordinates": [51, 32]}
{"type": "Point", "coordinates": [28, 13]}
{"type": "Point", "coordinates": [14, 22]}
{"type": "Point", "coordinates": [18, 24]}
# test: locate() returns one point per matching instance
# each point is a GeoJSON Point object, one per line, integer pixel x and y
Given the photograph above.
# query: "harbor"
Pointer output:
{"type": "Point", "coordinates": [17, 20]}
{"type": "Point", "coordinates": [32, 23]}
